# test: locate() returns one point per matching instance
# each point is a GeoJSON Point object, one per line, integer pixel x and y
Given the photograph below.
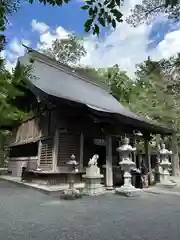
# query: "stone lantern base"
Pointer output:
{"type": "Point", "coordinates": [128, 191]}
{"type": "Point", "coordinates": [164, 179]}
{"type": "Point", "coordinates": [169, 184]}
{"type": "Point", "coordinates": [166, 182]}
{"type": "Point", "coordinates": [71, 193]}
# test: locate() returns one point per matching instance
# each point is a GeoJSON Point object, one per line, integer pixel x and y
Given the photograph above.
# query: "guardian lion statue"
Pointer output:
{"type": "Point", "coordinates": [93, 160]}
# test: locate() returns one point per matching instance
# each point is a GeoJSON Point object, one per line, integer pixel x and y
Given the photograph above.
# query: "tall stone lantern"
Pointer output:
{"type": "Point", "coordinates": [165, 164]}
{"type": "Point", "coordinates": [127, 165]}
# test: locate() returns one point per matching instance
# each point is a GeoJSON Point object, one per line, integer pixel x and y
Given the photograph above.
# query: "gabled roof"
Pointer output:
{"type": "Point", "coordinates": [61, 81]}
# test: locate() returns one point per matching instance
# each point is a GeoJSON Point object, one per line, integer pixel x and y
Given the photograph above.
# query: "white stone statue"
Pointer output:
{"type": "Point", "coordinates": [93, 178]}
{"type": "Point", "coordinates": [93, 160]}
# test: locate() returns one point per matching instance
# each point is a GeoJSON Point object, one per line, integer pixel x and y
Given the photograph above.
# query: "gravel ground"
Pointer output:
{"type": "Point", "coordinates": [27, 214]}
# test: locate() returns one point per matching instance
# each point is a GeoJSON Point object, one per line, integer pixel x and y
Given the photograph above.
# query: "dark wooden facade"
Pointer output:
{"type": "Point", "coordinates": [54, 135]}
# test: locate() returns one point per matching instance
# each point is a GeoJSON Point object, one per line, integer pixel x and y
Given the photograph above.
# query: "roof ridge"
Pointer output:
{"type": "Point", "coordinates": [66, 68]}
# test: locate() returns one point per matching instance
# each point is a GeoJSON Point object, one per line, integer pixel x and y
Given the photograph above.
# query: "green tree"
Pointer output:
{"type": "Point", "coordinates": [148, 9]}
{"type": "Point", "coordinates": [11, 84]}
{"type": "Point", "coordinates": [11, 87]}
{"type": "Point", "coordinates": [119, 82]}
{"type": "Point", "coordinates": [158, 96]}
{"type": "Point", "coordinates": [68, 50]}
{"type": "Point", "coordinates": [116, 80]}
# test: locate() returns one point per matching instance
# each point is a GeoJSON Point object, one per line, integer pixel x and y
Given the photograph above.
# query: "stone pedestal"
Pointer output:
{"type": "Point", "coordinates": [92, 180]}
{"type": "Point", "coordinates": [165, 164]}
{"type": "Point", "coordinates": [127, 164]}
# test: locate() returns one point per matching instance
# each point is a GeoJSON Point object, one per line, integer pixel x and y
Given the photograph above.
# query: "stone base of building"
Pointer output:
{"type": "Point", "coordinates": [128, 191]}
{"type": "Point", "coordinates": [93, 186]}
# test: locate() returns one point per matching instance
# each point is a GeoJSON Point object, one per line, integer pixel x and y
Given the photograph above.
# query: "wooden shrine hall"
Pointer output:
{"type": "Point", "coordinates": [73, 114]}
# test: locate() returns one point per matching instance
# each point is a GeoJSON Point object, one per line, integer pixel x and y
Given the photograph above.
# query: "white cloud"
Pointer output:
{"type": "Point", "coordinates": [16, 47]}
{"type": "Point", "coordinates": [169, 46]}
{"type": "Point", "coordinates": [46, 39]}
{"type": "Point", "coordinates": [39, 26]}
{"type": "Point", "coordinates": [14, 50]}
{"type": "Point", "coordinates": [126, 46]}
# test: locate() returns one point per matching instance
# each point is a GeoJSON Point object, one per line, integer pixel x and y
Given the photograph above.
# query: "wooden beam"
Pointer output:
{"type": "Point", "coordinates": [29, 140]}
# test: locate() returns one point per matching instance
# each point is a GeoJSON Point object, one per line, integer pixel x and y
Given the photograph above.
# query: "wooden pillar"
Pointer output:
{"type": "Point", "coordinates": [39, 153]}
{"type": "Point", "coordinates": [109, 167]}
{"type": "Point", "coordinates": [139, 159]}
{"type": "Point", "coordinates": [134, 153]}
{"type": "Point", "coordinates": [81, 151]}
{"type": "Point", "coordinates": [148, 158]}
{"type": "Point", "coordinates": [175, 156]}
{"type": "Point", "coordinates": [55, 151]}
{"type": "Point", "coordinates": [158, 167]}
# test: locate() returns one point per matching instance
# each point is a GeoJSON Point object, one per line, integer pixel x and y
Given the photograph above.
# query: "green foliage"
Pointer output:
{"type": "Point", "coordinates": [148, 9]}
{"type": "Point", "coordinates": [101, 13]}
{"type": "Point", "coordinates": [68, 50]}
{"type": "Point", "coordinates": [119, 82]}
{"type": "Point", "coordinates": [11, 87]}
{"type": "Point", "coordinates": [7, 7]}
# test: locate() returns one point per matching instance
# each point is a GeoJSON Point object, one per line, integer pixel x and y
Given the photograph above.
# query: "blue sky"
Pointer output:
{"type": "Point", "coordinates": [129, 46]}
{"type": "Point", "coordinates": [69, 16]}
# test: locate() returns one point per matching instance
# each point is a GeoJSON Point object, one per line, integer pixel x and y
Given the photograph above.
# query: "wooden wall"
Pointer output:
{"type": "Point", "coordinates": [31, 130]}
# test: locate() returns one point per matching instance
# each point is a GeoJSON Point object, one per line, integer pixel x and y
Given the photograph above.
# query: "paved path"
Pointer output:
{"type": "Point", "coordinates": [26, 214]}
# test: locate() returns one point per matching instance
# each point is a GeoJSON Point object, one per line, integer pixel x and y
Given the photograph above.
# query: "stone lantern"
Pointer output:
{"type": "Point", "coordinates": [71, 192]}
{"type": "Point", "coordinates": [127, 165]}
{"type": "Point", "coordinates": [165, 164]}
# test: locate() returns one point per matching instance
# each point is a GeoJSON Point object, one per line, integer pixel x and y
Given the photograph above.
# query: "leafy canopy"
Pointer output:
{"type": "Point", "coordinates": [11, 84]}
{"type": "Point", "coordinates": [68, 50]}
{"type": "Point", "coordinates": [148, 9]}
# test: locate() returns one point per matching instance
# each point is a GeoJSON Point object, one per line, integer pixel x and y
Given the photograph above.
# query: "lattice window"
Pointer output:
{"type": "Point", "coordinates": [46, 154]}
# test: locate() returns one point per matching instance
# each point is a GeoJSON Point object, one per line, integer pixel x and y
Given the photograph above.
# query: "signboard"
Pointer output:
{"type": "Point", "coordinates": [99, 142]}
